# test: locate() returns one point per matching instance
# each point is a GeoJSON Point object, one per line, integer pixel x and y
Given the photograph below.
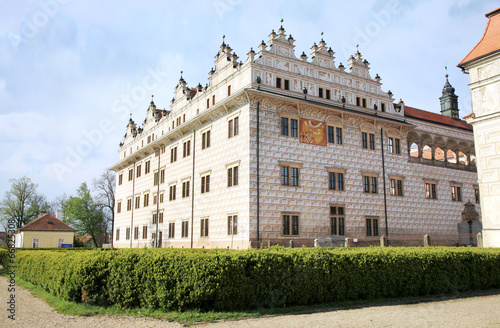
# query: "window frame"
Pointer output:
{"type": "Point", "coordinates": [233, 174]}
{"type": "Point", "coordinates": [337, 220]}
{"type": "Point", "coordinates": [204, 227]}
{"type": "Point", "coordinates": [232, 224]}
{"type": "Point", "coordinates": [290, 223]}
{"type": "Point", "coordinates": [372, 227]}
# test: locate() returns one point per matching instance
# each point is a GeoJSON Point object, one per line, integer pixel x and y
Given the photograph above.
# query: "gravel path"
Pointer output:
{"type": "Point", "coordinates": [477, 312]}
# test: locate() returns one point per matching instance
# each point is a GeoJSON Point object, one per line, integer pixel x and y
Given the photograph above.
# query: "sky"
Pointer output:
{"type": "Point", "coordinates": [72, 71]}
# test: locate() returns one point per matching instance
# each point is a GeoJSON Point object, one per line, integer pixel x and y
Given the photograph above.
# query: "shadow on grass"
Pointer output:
{"type": "Point", "coordinates": [195, 316]}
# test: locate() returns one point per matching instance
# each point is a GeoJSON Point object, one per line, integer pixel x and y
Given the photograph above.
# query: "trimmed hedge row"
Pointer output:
{"type": "Point", "coordinates": [228, 280]}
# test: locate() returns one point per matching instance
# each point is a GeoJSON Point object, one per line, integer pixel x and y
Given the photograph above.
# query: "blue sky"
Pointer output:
{"type": "Point", "coordinates": [72, 71]}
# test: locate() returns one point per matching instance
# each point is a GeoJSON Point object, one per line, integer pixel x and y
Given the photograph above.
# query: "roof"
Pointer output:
{"type": "Point", "coordinates": [423, 115]}
{"type": "Point", "coordinates": [3, 235]}
{"type": "Point", "coordinates": [46, 222]}
{"type": "Point", "coordinates": [489, 43]}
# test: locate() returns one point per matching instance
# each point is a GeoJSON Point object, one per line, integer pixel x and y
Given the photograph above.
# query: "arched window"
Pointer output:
{"type": "Point", "coordinates": [451, 156]}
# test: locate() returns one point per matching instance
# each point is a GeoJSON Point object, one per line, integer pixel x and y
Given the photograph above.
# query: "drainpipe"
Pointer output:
{"type": "Point", "coordinates": [258, 174]}
{"type": "Point", "coordinates": [158, 200]}
{"type": "Point", "coordinates": [133, 206]}
{"type": "Point", "coordinates": [385, 191]}
{"type": "Point", "coordinates": [192, 188]}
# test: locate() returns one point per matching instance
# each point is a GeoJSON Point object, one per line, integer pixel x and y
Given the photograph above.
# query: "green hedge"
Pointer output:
{"type": "Point", "coordinates": [227, 280]}
{"type": "Point", "coordinates": [4, 255]}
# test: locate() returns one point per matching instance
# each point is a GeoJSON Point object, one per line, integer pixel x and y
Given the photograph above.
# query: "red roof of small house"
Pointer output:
{"type": "Point", "coordinates": [46, 222]}
{"type": "Point", "coordinates": [490, 42]}
{"type": "Point", "coordinates": [3, 235]}
{"type": "Point", "coordinates": [423, 115]}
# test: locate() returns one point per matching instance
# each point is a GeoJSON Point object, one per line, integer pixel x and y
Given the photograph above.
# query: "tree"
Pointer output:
{"type": "Point", "coordinates": [85, 215]}
{"type": "Point", "coordinates": [22, 203]}
{"type": "Point", "coordinates": [105, 199]}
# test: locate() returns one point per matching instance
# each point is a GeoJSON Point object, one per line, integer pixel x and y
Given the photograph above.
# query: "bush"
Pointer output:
{"type": "Point", "coordinates": [228, 280]}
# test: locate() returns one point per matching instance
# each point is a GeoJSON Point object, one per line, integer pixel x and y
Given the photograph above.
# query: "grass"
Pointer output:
{"type": "Point", "coordinates": [194, 315]}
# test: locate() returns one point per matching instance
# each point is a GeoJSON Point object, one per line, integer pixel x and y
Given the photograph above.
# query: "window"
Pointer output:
{"type": "Point", "coordinates": [186, 148]}
{"type": "Point", "coordinates": [232, 176]}
{"type": "Point", "coordinates": [358, 101]}
{"type": "Point", "coordinates": [336, 181]}
{"type": "Point", "coordinates": [183, 121]}
{"type": "Point", "coordinates": [284, 126]}
{"type": "Point", "coordinates": [228, 90]}
{"type": "Point", "coordinates": [208, 103]}
{"type": "Point", "coordinates": [136, 233]}
{"type": "Point", "coordinates": [117, 234]}
{"type": "Point", "coordinates": [278, 82]}
{"type": "Point", "coordinates": [476, 194]}
{"type": "Point", "coordinates": [383, 107]}
{"type": "Point", "coordinates": [120, 179]}
{"type": "Point", "coordinates": [205, 139]}
{"type": "Point", "coordinates": [232, 225]}
{"type": "Point", "coordinates": [144, 232]}
{"type": "Point", "coordinates": [205, 183]}
{"type": "Point", "coordinates": [155, 199]}
{"type": "Point", "coordinates": [129, 204]}
{"type": "Point", "coordinates": [172, 192]}
{"type": "Point", "coordinates": [294, 128]}
{"type": "Point", "coordinates": [456, 193]}
{"type": "Point", "coordinates": [130, 174]}
{"type": "Point", "coordinates": [396, 186]}
{"type": "Point", "coordinates": [60, 241]}
{"type": "Point", "coordinates": [149, 139]}
{"type": "Point", "coordinates": [119, 207]}
{"type": "Point", "coordinates": [430, 190]}
{"type": "Point", "coordinates": [213, 100]}
{"type": "Point", "coordinates": [287, 84]}
{"type": "Point", "coordinates": [370, 184]}
{"type": "Point", "coordinates": [161, 197]}
{"type": "Point", "coordinates": [185, 228]}
{"type": "Point", "coordinates": [127, 234]}
{"type": "Point", "coordinates": [171, 230]}
{"type": "Point", "coordinates": [232, 126]}
{"type": "Point", "coordinates": [204, 227]}
{"type": "Point", "coordinates": [368, 140]}
{"type": "Point", "coordinates": [364, 102]}
{"type": "Point", "coordinates": [372, 141]}
{"type": "Point", "coordinates": [147, 167]}
{"type": "Point", "coordinates": [292, 226]}
{"type": "Point", "coordinates": [289, 176]}
{"type": "Point", "coordinates": [394, 145]}
{"type": "Point", "coordinates": [146, 200]}
{"type": "Point", "coordinates": [173, 154]}
{"type": "Point", "coordinates": [36, 242]}
{"type": "Point", "coordinates": [289, 124]}
{"type": "Point", "coordinates": [335, 135]}
{"type": "Point", "coordinates": [320, 93]}
{"type": "Point", "coordinates": [155, 216]}
{"type": "Point", "coordinates": [137, 202]}
{"type": "Point", "coordinates": [372, 227]}
{"type": "Point", "coordinates": [337, 220]}
{"type": "Point", "coordinates": [156, 178]}
{"type": "Point", "coordinates": [328, 94]}
{"type": "Point", "coordinates": [185, 189]}
{"type": "Point", "coordinates": [162, 176]}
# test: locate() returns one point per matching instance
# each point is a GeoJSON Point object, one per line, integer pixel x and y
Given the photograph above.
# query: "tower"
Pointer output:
{"type": "Point", "coordinates": [449, 101]}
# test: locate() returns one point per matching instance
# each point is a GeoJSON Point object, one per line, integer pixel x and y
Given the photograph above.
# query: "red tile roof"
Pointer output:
{"type": "Point", "coordinates": [490, 42]}
{"type": "Point", "coordinates": [46, 222]}
{"type": "Point", "coordinates": [423, 115]}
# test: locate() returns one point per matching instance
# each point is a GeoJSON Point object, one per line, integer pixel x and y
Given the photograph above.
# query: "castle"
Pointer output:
{"type": "Point", "coordinates": [285, 150]}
